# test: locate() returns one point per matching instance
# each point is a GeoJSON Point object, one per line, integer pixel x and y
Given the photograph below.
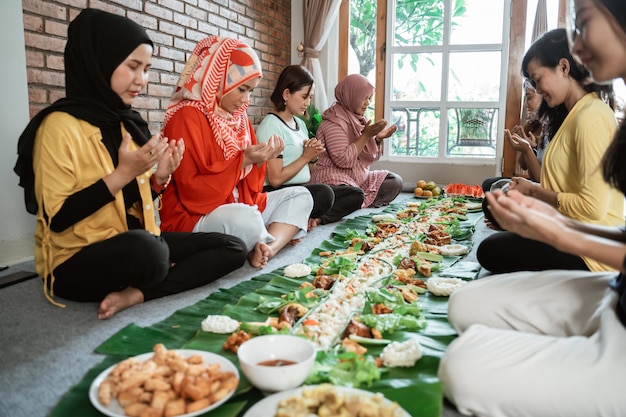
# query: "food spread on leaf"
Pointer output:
{"type": "Point", "coordinates": [359, 303]}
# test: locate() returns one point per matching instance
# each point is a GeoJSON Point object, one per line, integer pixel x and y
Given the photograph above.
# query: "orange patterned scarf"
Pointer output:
{"type": "Point", "coordinates": [217, 65]}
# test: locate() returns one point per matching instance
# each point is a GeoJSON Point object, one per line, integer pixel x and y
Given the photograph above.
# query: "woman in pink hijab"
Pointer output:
{"type": "Point", "coordinates": [353, 143]}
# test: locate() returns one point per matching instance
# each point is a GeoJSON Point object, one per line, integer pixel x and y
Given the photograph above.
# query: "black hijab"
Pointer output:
{"type": "Point", "coordinates": [97, 43]}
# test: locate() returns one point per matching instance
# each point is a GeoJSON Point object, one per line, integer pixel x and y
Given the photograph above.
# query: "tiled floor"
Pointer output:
{"type": "Point", "coordinates": [16, 251]}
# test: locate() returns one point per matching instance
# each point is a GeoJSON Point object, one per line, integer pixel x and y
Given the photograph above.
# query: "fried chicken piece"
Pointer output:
{"type": "Point", "coordinates": [324, 282]}
{"type": "Point", "coordinates": [381, 309]}
{"type": "Point", "coordinates": [357, 328]}
{"type": "Point", "coordinates": [235, 340]}
{"type": "Point", "coordinates": [407, 263]}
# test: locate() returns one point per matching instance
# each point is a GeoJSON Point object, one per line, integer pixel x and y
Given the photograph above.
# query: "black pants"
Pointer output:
{"type": "Point", "coordinates": [508, 252]}
{"type": "Point", "coordinates": [139, 259]}
{"type": "Point", "coordinates": [389, 189]}
{"type": "Point", "coordinates": [331, 202]}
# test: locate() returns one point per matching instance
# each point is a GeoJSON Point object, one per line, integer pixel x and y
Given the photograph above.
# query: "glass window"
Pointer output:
{"type": "Point", "coordinates": [474, 76]}
{"type": "Point", "coordinates": [445, 60]}
{"type": "Point", "coordinates": [416, 77]}
{"type": "Point", "coordinates": [418, 22]}
{"type": "Point", "coordinates": [480, 23]}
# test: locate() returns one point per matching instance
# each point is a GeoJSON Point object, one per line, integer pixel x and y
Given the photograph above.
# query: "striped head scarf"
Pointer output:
{"type": "Point", "coordinates": [216, 67]}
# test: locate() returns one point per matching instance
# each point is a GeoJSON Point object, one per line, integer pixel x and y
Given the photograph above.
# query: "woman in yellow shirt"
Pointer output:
{"type": "Point", "coordinates": [86, 165]}
{"type": "Point", "coordinates": [571, 178]}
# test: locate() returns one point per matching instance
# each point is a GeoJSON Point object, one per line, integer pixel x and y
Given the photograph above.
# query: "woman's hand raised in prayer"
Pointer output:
{"type": "Point", "coordinates": [169, 161]}
{"type": "Point", "coordinates": [519, 143]}
{"type": "Point", "coordinates": [385, 133]}
{"type": "Point", "coordinates": [522, 185]}
{"type": "Point", "coordinates": [263, 152]}
{"type": "Point", "coordinates": [373, 129]}
{"type": "Point", "coordinates": [312, 149]}
{"type": "Point", "coordinates": [527, 216]}
{"type": "Point", "coordinates": [132, 163]}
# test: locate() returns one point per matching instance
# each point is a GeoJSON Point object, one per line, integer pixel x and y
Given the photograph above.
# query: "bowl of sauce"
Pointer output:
{"type": "Point", "coordinates": [275, 363]}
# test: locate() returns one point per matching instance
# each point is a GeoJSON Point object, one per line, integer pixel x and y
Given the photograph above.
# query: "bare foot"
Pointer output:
{"type": "Point", "coordinates": [259, 256]}
{"type": "Point", "coordinates": [117, 301]}
{"type": "Point", "coordinates": [313, 223]}
{"type": "Point", "coordinates": [294, 242]}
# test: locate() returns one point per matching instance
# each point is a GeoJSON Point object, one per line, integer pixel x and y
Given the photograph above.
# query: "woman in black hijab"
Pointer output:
{"type": "Point", "coordinates": [91, 171]}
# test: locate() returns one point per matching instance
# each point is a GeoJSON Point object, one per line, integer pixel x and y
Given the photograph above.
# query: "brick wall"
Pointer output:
{"type": "Point", "coordinates": [174, 26]}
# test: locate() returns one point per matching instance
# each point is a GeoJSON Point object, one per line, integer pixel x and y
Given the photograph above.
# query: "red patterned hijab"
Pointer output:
{"type": "Point", "coordinates": [217, 66]}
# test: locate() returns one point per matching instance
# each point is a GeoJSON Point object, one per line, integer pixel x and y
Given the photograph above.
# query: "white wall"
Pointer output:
{"type": "Point", "coordinates": [15, 222]}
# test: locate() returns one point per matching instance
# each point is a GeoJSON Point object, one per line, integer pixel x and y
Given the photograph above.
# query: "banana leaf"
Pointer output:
{"type": "Point", "coordinates": [417, 389]}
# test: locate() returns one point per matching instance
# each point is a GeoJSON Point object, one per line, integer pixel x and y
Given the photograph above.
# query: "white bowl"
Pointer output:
{"type": "Point", "coordinates": [273, 348]}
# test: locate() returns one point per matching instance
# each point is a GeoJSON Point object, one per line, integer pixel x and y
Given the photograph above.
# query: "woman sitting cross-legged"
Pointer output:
{"type": "Point", "coordinates": [219, 184]}
{"type": "Point", "coordinates": [291, 97]}
{"type": "Point", "coordinates": [550, 343]}
{"type": "Point", "coordinates": [570, 181]}
{"type": "Point", "coordinates": [92, 155]}
{"type": "Point", "coordinates": [353, 143]}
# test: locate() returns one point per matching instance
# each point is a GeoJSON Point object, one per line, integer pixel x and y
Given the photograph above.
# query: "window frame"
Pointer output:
{"type": "Point", "coordinates": [516, 48]}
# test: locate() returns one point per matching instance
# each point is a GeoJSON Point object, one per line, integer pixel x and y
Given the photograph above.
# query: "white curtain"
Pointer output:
{"type": "Point", "coordinates": [540, 25]}
{"type": "Point", "coordinates": [318, 18]}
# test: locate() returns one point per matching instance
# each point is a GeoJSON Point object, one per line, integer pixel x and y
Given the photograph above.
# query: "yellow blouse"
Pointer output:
{"type": "Point", "coordinates": [572, 167]}
{"type": "Point", "coordinates": [69, 156]}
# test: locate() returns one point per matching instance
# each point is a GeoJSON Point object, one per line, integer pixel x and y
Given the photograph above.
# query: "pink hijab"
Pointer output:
{"type": "Point", "coordinates": [217, 66]}
{"type": "Point", "coordinates": [350, 94]}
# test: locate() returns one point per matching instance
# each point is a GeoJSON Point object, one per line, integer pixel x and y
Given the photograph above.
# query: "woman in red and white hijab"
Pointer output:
{"type": "Point", "coordinates": [219, 184]}
{"type": "Point", "coordinates": [353, 143]}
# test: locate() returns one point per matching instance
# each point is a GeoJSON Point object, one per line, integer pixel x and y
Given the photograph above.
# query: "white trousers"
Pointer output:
{"type": "Point", "coordinates": [290, 205]}
{"type": "Point", "coordinates": [536, 344]}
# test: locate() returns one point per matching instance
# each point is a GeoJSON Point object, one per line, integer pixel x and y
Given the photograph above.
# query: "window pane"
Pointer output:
{"type": "Point", "coordinates": [418, 22]}
{"type": "Point", "coordinates": [481, 22]}
{"type": "Point", "coordinates": [416, 77]}
{"type": "Point", "coordinates": [418, 132]}
{"type": "Point", "coordinates": [472, 132]}
{"type": "Point", "coordinates": [474, 76]}
{"type": "Point", "coordinates": [362, 55]}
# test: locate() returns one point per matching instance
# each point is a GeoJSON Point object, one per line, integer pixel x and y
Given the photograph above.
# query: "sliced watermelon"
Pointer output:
{"type": "Point", "coordinates": [464, 190]}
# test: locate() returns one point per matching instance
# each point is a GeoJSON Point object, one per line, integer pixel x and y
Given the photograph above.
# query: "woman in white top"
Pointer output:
{"type": "Point", "coordinates": [291, 97]}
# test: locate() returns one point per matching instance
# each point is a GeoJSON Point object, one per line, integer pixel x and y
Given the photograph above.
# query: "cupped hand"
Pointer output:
{"type": "Point", "coordinates": [522, 185]}
{"type": "Point", "coordinates": [526, 216]}
{"type": "Point", "coordinates": [373, 129]}
{"type": "Point", "coordinates": [385, 133]}
{"type": "Point", "coordinates": [170, 160]}
{"type": "Point", "coordinates": [530, 137]}
{"type": "Point", "coordinates": [517, 142]}
{"type": "Point", "coordinates": [132, 163]}
{"type": "Point", "coordinates": [263, 152]}
{"type": "Point", "coordinates": [276, 144]}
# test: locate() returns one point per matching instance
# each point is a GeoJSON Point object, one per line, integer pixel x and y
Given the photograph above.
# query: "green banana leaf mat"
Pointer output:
{"type": "Point", "coordinates": [416, 389]}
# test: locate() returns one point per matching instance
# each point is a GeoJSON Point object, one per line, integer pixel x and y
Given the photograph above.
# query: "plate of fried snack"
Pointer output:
{"type": "Point", "coordinates": [177, 382]}
{"type": "Point", "coordinates": [320, 400]}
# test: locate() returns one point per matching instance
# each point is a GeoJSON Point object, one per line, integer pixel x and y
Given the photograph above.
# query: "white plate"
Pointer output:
{"type": "Point", "coordinates": [115, 410]}
{"type": "Point", "coordinates": [267, 407]}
